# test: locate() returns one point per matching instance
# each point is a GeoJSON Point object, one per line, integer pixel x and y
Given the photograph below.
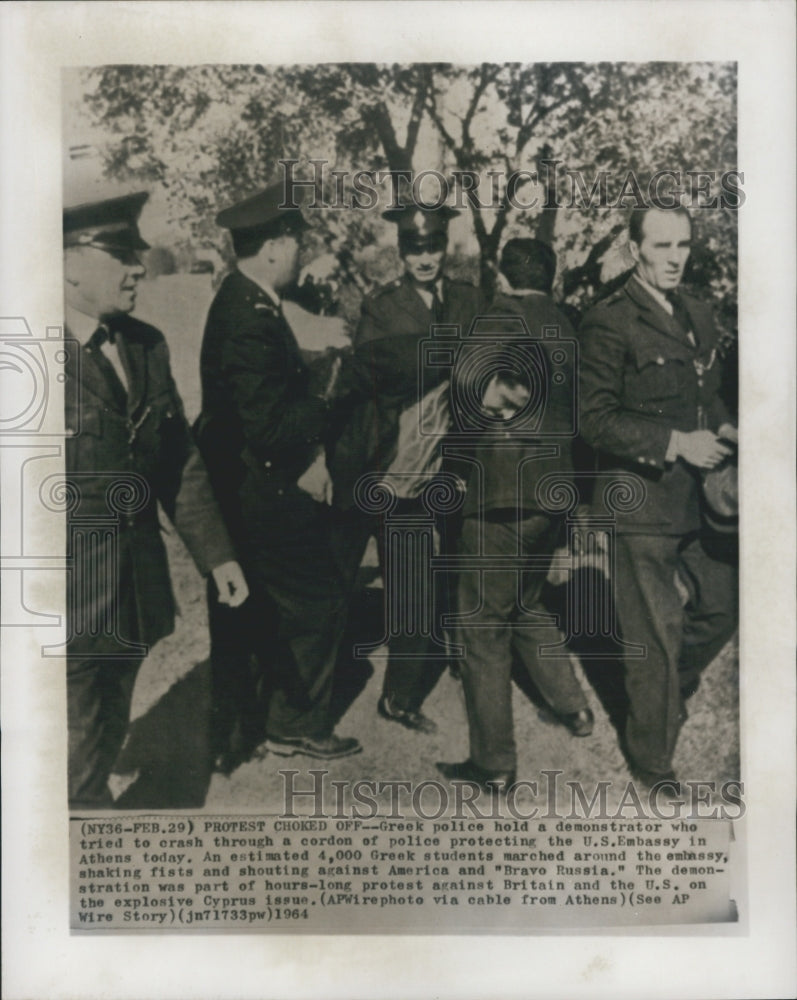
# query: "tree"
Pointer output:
{"type": "Point", "coordinates": [565, 121]}
{"type": "Point", "coordinates": [209, 134]}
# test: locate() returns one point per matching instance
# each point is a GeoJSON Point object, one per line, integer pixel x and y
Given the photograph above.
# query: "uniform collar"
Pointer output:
{"type": "Point", "coordinates": [658, 296]}
{"type": "Point", "coordinates": [262, 285]}
{"type": "Point", "coordinates": [427, 292]}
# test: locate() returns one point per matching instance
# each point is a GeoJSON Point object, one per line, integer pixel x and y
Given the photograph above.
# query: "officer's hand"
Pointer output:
{"type": "Point", "coordinates": [321, 269]}
{"type": "Point", "coordinates": [316, 480]}
{"type": "Point", "coordinates": [231, 584]}
{"type": "Point", "coordinates": [703, 449]}
{"type": "Point", "coordinates": [502, 399]}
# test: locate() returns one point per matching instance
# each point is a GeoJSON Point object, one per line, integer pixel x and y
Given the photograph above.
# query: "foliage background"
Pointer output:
{"type": "Point", "coordinates": [202, 136]}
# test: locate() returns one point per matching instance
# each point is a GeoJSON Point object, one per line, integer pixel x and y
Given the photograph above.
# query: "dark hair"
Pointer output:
{"type": "Point", "coordinates": [528, 263]}
{"type": "Point", "coordinates": [637, 217]}
{"type": "Point", "coordinates": [248, 242]}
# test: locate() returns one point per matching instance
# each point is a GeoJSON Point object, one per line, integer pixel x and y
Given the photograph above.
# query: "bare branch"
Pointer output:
{"type": "Point", "coordinates": [487, 75]}
{"type": "Point", "coordinates": [416, 116]}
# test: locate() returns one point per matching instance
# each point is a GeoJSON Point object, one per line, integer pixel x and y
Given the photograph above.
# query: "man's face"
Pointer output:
{"type": "Point", "coordinates": [284, 259]}
{"type": "Point", "coordinates": [662, 255]}
{"type": "Point", "coordinates": [102, 283]}
{"type": "Point", "coordinates": [423, 260]}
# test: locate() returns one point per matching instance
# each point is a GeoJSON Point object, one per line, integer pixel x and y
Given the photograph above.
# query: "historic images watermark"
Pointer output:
{"type": "Point", "coordinates": [553, 186]}
{"type": "Point", "coordinates": [523, 800]}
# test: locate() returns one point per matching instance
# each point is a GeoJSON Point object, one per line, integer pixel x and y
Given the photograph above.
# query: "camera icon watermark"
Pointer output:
{"type": "Point", "coordinates": [504, 380]}
{"type": "Point", "coordinates": [36, 373]}
{"type": "Point", "coordinates": [30, 368]}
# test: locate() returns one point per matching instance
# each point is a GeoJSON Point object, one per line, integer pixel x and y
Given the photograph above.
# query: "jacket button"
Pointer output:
{"type": "Point", "coordinates": [659, 360]}
{"type": "Point", "coordinates": [268, 465]}
{"type": "Point", "coordinates": [280, 492]}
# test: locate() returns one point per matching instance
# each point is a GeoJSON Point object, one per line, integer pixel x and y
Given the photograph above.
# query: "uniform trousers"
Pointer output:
{"type": "Point", "coordinates": [290, 570]}
{"type": "Point", "coordinates": [98, 696]}
{"type": "Point", "coordinates": [679, 639]}
{"type": "Point", "coordinates": [415, 664]}
{"type": "Point", "coordinates": [241, 644]}
{"type": "Point", "coordinates": [499, 596]}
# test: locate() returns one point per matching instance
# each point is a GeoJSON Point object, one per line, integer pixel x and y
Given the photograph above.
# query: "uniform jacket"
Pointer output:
{"type": "Point", "coordinates": [259, 415]}
{"type": "Point", "coordinates": [121, 461]}
{"type": "Point", "coordinates": [640, 380]}
{"type": "Point", "coordinates": [382, 376]}
{"type": "Point", "coordinates": [515, 462]}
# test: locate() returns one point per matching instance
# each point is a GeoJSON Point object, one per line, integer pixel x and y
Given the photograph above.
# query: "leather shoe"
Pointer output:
{"type": "Point", "coordinates": [324, 748]}
{"type": "Point", "coordinates": [495, 782]}
{"type": "Point", "coordinates": [416, 721]}
{"type": "Point", "coordinates": [670, 786]}
{"type": "Point", "coordinates": [228, 761]}
{"type": "Point", "coordinates": [578, 723]}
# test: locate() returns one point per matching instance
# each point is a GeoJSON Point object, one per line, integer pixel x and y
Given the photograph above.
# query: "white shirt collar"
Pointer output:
{"type": "Point", "coordinates": [502, 285]}
{"type": "Point", "coordinates": [426, 292]}
{"type": "Point", "coordinates": [521, 293]}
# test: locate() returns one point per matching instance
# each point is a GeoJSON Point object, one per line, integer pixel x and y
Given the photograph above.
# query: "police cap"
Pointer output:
{"type": "Point", "coordinates": [111, 224]}
{"type": "Point", "coordinates": [262, 214]}
{"type": "Point", "coordinates": [421, 228]}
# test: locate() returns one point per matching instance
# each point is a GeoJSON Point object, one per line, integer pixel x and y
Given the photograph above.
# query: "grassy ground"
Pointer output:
{"type": "Point", "coordinates": [167, 740]}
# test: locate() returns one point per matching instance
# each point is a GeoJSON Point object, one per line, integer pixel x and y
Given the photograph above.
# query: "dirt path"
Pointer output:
{"type": "Point", "coordinates": [167, 744]}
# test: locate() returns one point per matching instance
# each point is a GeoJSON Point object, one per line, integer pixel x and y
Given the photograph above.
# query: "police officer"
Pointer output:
{"type": "Point", "coordinates": [262, 430]}
{"type": "Point", "coordinates": [128, 448]}
{"type": "Point", "coordinates": [381, 383]}
{"type": "Point", "coordinates": [650, 404]}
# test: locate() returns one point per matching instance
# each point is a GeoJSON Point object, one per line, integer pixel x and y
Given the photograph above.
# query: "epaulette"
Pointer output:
{"type": "Point", "coordinates": [259, 300]}
{"type": "Point", "coordinates": [384, 289]}
{"type": "Point", "coordinates": [616, 296]}
{"type": "Point", "coordinates": [267, 305]}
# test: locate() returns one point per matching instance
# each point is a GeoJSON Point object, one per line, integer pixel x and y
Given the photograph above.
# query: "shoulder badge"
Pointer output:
{"type": "Point", "coordinates": [265, 304]}
{"type": "Point", "coordinates": [384, 289]}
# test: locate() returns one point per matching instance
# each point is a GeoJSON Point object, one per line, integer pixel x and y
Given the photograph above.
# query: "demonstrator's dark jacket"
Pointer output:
{"type": "Point", "coordinates": [385, 374]}
{"type": "Point", "coordinates": [537, 444]}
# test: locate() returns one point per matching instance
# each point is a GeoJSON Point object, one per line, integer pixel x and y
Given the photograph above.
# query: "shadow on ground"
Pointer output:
{"type": "Point", "coordinates": [169, 747]}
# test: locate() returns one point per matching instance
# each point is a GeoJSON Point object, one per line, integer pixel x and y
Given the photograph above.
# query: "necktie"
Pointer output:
{"type": "Point", "coordinates": [437, 304]}
{"type": "Point", "coordinates": [102, 334]}
{"type": "Point", "coordinates": [680, 314]}
{"type": "Point", "coordinates": [97, 339]}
